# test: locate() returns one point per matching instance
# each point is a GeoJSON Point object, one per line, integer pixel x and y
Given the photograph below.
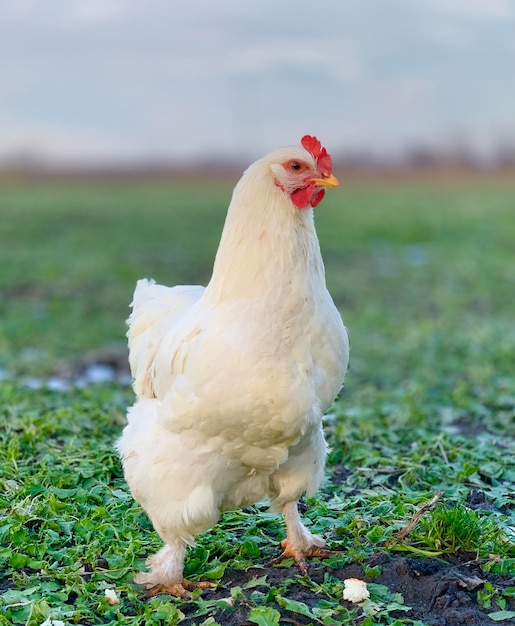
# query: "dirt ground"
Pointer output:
{"type": "Point", "coordinates": [441, 592]}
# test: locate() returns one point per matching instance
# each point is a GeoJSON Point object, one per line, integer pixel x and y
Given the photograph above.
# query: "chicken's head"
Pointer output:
{"type": "Point", "coordinates": [305, 173]}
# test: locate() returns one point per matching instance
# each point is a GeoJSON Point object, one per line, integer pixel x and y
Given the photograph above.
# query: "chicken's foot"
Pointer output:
{"type": "Point", "coordinates": [299, 555]}
{"type": "Point", "coordinates": [179, 589]}
{"type": "Point", "coordinates": [300, 544]}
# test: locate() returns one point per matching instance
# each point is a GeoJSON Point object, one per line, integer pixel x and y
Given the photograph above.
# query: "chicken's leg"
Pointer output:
{"type": "Point", "coordinates": [300, 544]}
{"type": "Point", "coordinates": [166, 573]}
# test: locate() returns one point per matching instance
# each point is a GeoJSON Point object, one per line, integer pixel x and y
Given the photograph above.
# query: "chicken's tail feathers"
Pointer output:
{"type": "Point", "coordinates": [152, 302]}
{"type": "Point", "coordinates": [155, 308]}
{"type": "Point", "coordinates": [141, 291]}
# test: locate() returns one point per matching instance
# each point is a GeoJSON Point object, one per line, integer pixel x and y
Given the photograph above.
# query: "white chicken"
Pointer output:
{"type": "Point", "coordinates": [232, 380]}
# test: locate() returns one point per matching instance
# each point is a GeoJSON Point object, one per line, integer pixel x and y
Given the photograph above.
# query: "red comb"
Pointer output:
{"type": "Point", "coordinates": [314, 147]}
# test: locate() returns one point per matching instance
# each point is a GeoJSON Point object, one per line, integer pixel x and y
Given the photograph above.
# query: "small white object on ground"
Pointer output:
{"type": "Point", "coordinates": [355, 590]}
{"type": "Point", "coordinates": [53, 622]}
{"type": "Point", "coordinates": [111, 596]}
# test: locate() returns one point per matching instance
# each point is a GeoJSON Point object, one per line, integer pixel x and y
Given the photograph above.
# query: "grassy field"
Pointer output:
{"type": "Point", "coordinates": [424, 276]}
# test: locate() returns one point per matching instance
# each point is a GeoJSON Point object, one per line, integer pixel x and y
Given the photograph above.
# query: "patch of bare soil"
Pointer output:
{"type": "Point", "coordinates": [440, 592]}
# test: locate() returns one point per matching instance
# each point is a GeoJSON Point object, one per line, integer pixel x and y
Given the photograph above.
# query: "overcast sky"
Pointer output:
{"type": "Point", "coordinates": [88, 80]}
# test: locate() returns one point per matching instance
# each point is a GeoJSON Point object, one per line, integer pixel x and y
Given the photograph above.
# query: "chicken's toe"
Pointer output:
{"type": "Point", "coordinates": [299, 555]}
{"type": "Point", "coordinates": [179, 589]}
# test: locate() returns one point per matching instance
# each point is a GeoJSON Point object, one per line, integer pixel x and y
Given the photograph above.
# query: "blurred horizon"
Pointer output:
{"type": "Point", "coordinates": [104, 83]}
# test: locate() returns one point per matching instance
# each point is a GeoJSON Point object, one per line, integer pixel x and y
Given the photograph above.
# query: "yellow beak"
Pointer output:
{"type": "Point", "coordinates": [329, 181]}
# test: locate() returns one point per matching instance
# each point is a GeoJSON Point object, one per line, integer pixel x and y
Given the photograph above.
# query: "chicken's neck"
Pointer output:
{"type": "Point", "coordinates": [268, 246]}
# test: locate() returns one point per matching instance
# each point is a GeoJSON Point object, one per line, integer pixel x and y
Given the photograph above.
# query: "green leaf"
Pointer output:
{"type": "Point", "coordinates": [120, 494]}
{"type": "Point", "coordinates": [264, 616]}
{"type": "Point", "coordinates": [18, 560]}
{"type": "Point", "coordinates": [216, 572]}
{"type": "Point", "coordinates": [168, 612]}
{"type": "Point", "coordinates": [62, 494]}
{"type": "Point", "coordinates": [500, 616]}
{"type": "Point", "coordinates": [21, 615]}
{"type": "Point", "coordinates": [18, 596]}
{"type": "Point", "coordinates": [294, 606]}
{"type": "Point", "coordinates": [251, 549]}
{"type": "Point", "coordinates": [397, 606]}
{"type": "Point", "coordinates": [35, 489]}
{"type": "Point", "coordinates": [378, 591]}
{"type": "Point", "coordinates": [255, 582]}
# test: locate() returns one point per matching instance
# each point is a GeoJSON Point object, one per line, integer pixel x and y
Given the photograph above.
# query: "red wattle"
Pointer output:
{"type": "Point", "coordinates": [301, 197]}
{"type": "Point", "coordinates": [318, 198]}
{"type": "Point", "coordinates": [306, 196]}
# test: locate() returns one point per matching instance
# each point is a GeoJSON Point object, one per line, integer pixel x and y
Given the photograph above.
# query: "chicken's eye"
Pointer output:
{"type": "Point", "coordinates": [295, 166]}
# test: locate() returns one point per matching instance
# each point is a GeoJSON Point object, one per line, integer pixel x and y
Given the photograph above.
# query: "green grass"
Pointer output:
{"type": "Point", "coordinates": [70, 255]}
{"type": "Point", "coordinates": [424, 277]}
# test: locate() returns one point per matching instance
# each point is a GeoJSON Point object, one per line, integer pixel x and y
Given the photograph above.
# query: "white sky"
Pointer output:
{"type": "Point", "coordinates": [90, 80]}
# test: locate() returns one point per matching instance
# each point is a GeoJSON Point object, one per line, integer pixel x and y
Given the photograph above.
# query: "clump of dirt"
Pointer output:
{"type": "Point", "coordinates": [440, 592]}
